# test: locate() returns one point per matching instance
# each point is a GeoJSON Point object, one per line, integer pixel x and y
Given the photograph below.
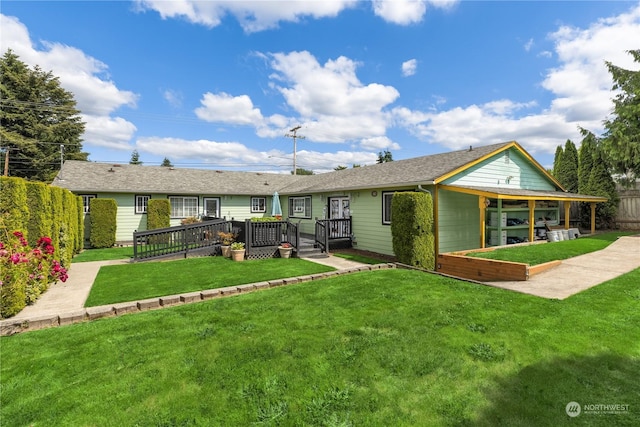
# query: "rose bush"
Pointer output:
{"type": "Point", "coordinates": [26, 272]}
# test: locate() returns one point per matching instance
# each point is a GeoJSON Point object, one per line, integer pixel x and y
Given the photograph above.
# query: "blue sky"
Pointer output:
{"type": "Point", "coordinates": [218, 84]}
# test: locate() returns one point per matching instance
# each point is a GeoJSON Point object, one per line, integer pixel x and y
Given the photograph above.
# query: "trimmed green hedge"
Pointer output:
{"type": "Point", "coordinates": [158, 214]}
{"type": "Point", "coordinates": [103, 222]}
{"type": "Point", "coordinates": [412, 229]}
{"type": "Point", "coordinates": [13, 204]}
{"type": "Point", "coordinates": [39, 204]}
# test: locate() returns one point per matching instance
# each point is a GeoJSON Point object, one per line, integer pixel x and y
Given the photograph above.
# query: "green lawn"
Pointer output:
{"type": "Point", "coordinates": [104, 254]}
{"type": "Point", "coordinates": [132, 282]}
{"type": "Point", "coordinates": [380, 348]}
{"type": "Point", "coordinates": [358, 258]}
{"type": "Point", "coordinates": [545, 252]}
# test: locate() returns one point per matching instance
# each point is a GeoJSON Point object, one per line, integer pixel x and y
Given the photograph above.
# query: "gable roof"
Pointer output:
{"type": "Point", "coordinates": [419, 170]}
{"type": "Point", "coordinates": [90, 177]}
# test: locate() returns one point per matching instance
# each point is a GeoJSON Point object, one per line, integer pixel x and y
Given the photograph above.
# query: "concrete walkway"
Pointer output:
{"type": "Point", "coordinates": [582, 272]}
{"type": "Point", "coordinates": [63, 303]}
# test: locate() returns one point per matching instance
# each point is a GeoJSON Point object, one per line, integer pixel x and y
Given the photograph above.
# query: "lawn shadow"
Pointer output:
{"type": "Point", "coordinates": [538, 395]}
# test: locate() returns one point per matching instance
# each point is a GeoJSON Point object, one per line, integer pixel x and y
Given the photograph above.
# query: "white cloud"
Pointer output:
{"type": "Point", "coordinates": [330, 99]}
{"type": "Point", "coordinates": [224, 108]}
{"type": "Point", "coordinates": [406, 12]}
{"type": "Point", "coordinates": [252, 15]}
{"type": "Point", "coordinates": [528, 45]}
{"type": "Point", "coordinates": [173, 97]}
{"type": "Point", "coordinates": [379, 143]}
{"type": "Point", "coordinates": [410, 67]}
{"type": "Point", "coordinates": [580, 86]}
{"type": "Point", "coordinates": [86, 77]}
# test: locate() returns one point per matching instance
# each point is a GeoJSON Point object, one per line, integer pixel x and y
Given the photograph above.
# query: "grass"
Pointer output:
{"type": "Point", "coordinates": [358, 258]}
{"type": "Point", "coordinates": [380, 348]}
{"type": "Point", "coordinates": [132, 282]}
{"type": "Point", "coordinates": [545, 252]}
{"type": "Point", "coordinates": [107, 254]}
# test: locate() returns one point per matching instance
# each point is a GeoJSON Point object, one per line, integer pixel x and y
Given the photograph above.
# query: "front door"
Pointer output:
{"type": "Point", "coordinates": [339, 209]}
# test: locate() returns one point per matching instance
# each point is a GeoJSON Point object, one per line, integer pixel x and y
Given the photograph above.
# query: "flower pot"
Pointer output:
{"type": "Point", "coordinates": [226, 251]}
{"type": "Point", "coordinates": [285, 252]}
{"type": "Point", "coordinates": [237, 254]}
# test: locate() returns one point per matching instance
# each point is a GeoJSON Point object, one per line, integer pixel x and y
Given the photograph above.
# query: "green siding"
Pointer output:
{"type": "Point", "coordinates": [458, 221]}
{"type": "Point", "coordinates": [495, 171]}
{"type": "Point", "coordinates": [370, 233]}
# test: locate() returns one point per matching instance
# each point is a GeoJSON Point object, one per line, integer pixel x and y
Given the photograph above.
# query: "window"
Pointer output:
{"type": "Point", "coordinates": [141, 204]}
{"type": "Point", "coordinates": [386, 207]}
{"type": "Point", "coordinates": [212, 206]}
{"type": "Point", "coordinates": [183, 207]}
{"type": "Point", "coordinates": [300, 207]}
{"type": "Point", "coordinates": [258, 204]}
{"type": "Point", "coordinates": [86, 201]}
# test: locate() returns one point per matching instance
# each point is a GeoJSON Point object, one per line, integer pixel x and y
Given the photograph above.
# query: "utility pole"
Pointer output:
{"type": "Point", "coordinates": [61, 158]}
{"type": "Point", "coordinates": [295, 137]}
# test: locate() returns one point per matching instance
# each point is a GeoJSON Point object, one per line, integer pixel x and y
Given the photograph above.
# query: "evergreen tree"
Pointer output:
{"type": "Point", "coordinates": [557, 161]}
{"type": "Point", "coordinates": [585, 165]}
{"type": "Point", "coordinates": [384, 156]}
{"type": "Point", "coordinates": [621, 142]}
{"type": "Point", "coordinates": [300, 171]}
{"type": "Point", "coordinates": [601, 183]}
{"type": "Point", "coordinates": [167, 163]}
{"type": "Point", "coordinates": [570, 167]}
{"type": "Point", "coordinates": [339, 168]}
{"type": "Point", "coordinates": [39, 122]}
{"type": "Point", "coordinates": [135, 158]}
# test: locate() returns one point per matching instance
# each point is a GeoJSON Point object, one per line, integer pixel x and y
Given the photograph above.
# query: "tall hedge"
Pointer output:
{"type": "Point", "coordinates": [80, 220]}
{"type": "Point", "coordinates": [13, 204]}
{"type": "Point", "coordinates": [103, 213]}
{"type": "Point", "coordinates": [57, 216]}
{"type": "Point", "coordinates": [412, 229]}
{"type": "Point", "coordinates": [158, 214]}
{"type": "Point", "coordinates": [39, 204]}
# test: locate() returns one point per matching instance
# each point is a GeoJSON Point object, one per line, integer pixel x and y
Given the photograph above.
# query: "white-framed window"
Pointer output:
{"type": "Point", "coordinates": [86, 201]}
{"type": "Point", "coordinates": [183, 207]}
{"type": "Point", "coordinates": [258, 204]}
{"type": "Point", "coordinates": [211, 206]}
{"type": "Point", "coordinates": [300, 207]}
{"type": "Point", "coordinates": [142, 201]}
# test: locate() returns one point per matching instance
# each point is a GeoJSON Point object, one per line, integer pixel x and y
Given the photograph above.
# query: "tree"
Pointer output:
{"type": "Point", "coordinates": [339, 168]}
{"type": "Point", "coordinates": [39, 120]}
{"type": "Point", "coordinates": [594, 178]}
{"type": "Point", "coordinates": [621, 142]}
{"type": "Point", "coordinates": [565, 166]}
{"type": "Point", "coordinates": [166, 163]}
{"type": "Point", "coordinates": [135, 158]}
{"type": "Point", "coordinates": [384, 156]}
{"type": "Point", "coordinates": [300, 171]}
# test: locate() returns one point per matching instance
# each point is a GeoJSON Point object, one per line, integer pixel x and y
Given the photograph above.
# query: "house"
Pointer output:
{"type": "Point", "coordinates": [488, 195]}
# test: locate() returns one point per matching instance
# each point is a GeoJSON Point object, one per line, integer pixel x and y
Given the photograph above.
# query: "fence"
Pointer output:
{"type": "Point", "coordinates": [331, 229]}
{"type": "Point", "coordinates": [178, 240]}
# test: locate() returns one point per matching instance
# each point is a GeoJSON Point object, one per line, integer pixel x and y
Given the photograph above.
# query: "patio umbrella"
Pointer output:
{"type": "Point", "coordinates": [276, 208]}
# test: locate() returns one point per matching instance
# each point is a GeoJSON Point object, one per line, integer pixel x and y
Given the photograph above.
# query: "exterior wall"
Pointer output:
{"type": "Point", "coordinates": [508, 169]}
{"type": "Point", "coordinates": [127, 221]}
{"type": "Point", "coordinates": [458, 221]}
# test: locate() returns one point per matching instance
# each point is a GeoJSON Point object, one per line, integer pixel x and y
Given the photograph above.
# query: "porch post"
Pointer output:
{"type": "Point", "coordinates": [483, 219]}
{"type": "Point", "coordinates": [567, 207]}
{"type": "Point", "coordinates": [532, 219]}
{"type": "Point", "coordinates": [593, 217]}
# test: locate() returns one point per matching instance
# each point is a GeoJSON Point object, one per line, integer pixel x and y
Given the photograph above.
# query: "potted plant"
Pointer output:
{"type": "Point", "coordinates": [285, 250]}
{"type": "Point", "coordinates": [237, 251]}
{"type": "Point", "coordinates": [226, 239]}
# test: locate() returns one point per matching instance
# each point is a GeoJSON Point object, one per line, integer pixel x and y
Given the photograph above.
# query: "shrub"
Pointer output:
{"type": "Point", "coordinates": [103, 222]}
{"type": "Point", "coordinates": [412, 229]}
{"type": "Point", "coordinates": [26, 271]}
{"type": "Point", "coordinates": [39, 204]}
{"type": "Point", "coordinates": [158, 214]}
{"type": "Point", "coordinates": [13, 203]}
{"type": "Point", "coordinates": [189, 220]}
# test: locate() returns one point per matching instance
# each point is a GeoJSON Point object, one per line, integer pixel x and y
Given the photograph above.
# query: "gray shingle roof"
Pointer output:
{"type": "Point", "coordinates": [90, 177]}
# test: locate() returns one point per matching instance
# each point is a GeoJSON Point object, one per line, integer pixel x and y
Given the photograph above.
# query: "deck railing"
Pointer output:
{"type": "Point", "coordinates": [177, 240]}
{"type": "Point", "coordinates": [331, 229]}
